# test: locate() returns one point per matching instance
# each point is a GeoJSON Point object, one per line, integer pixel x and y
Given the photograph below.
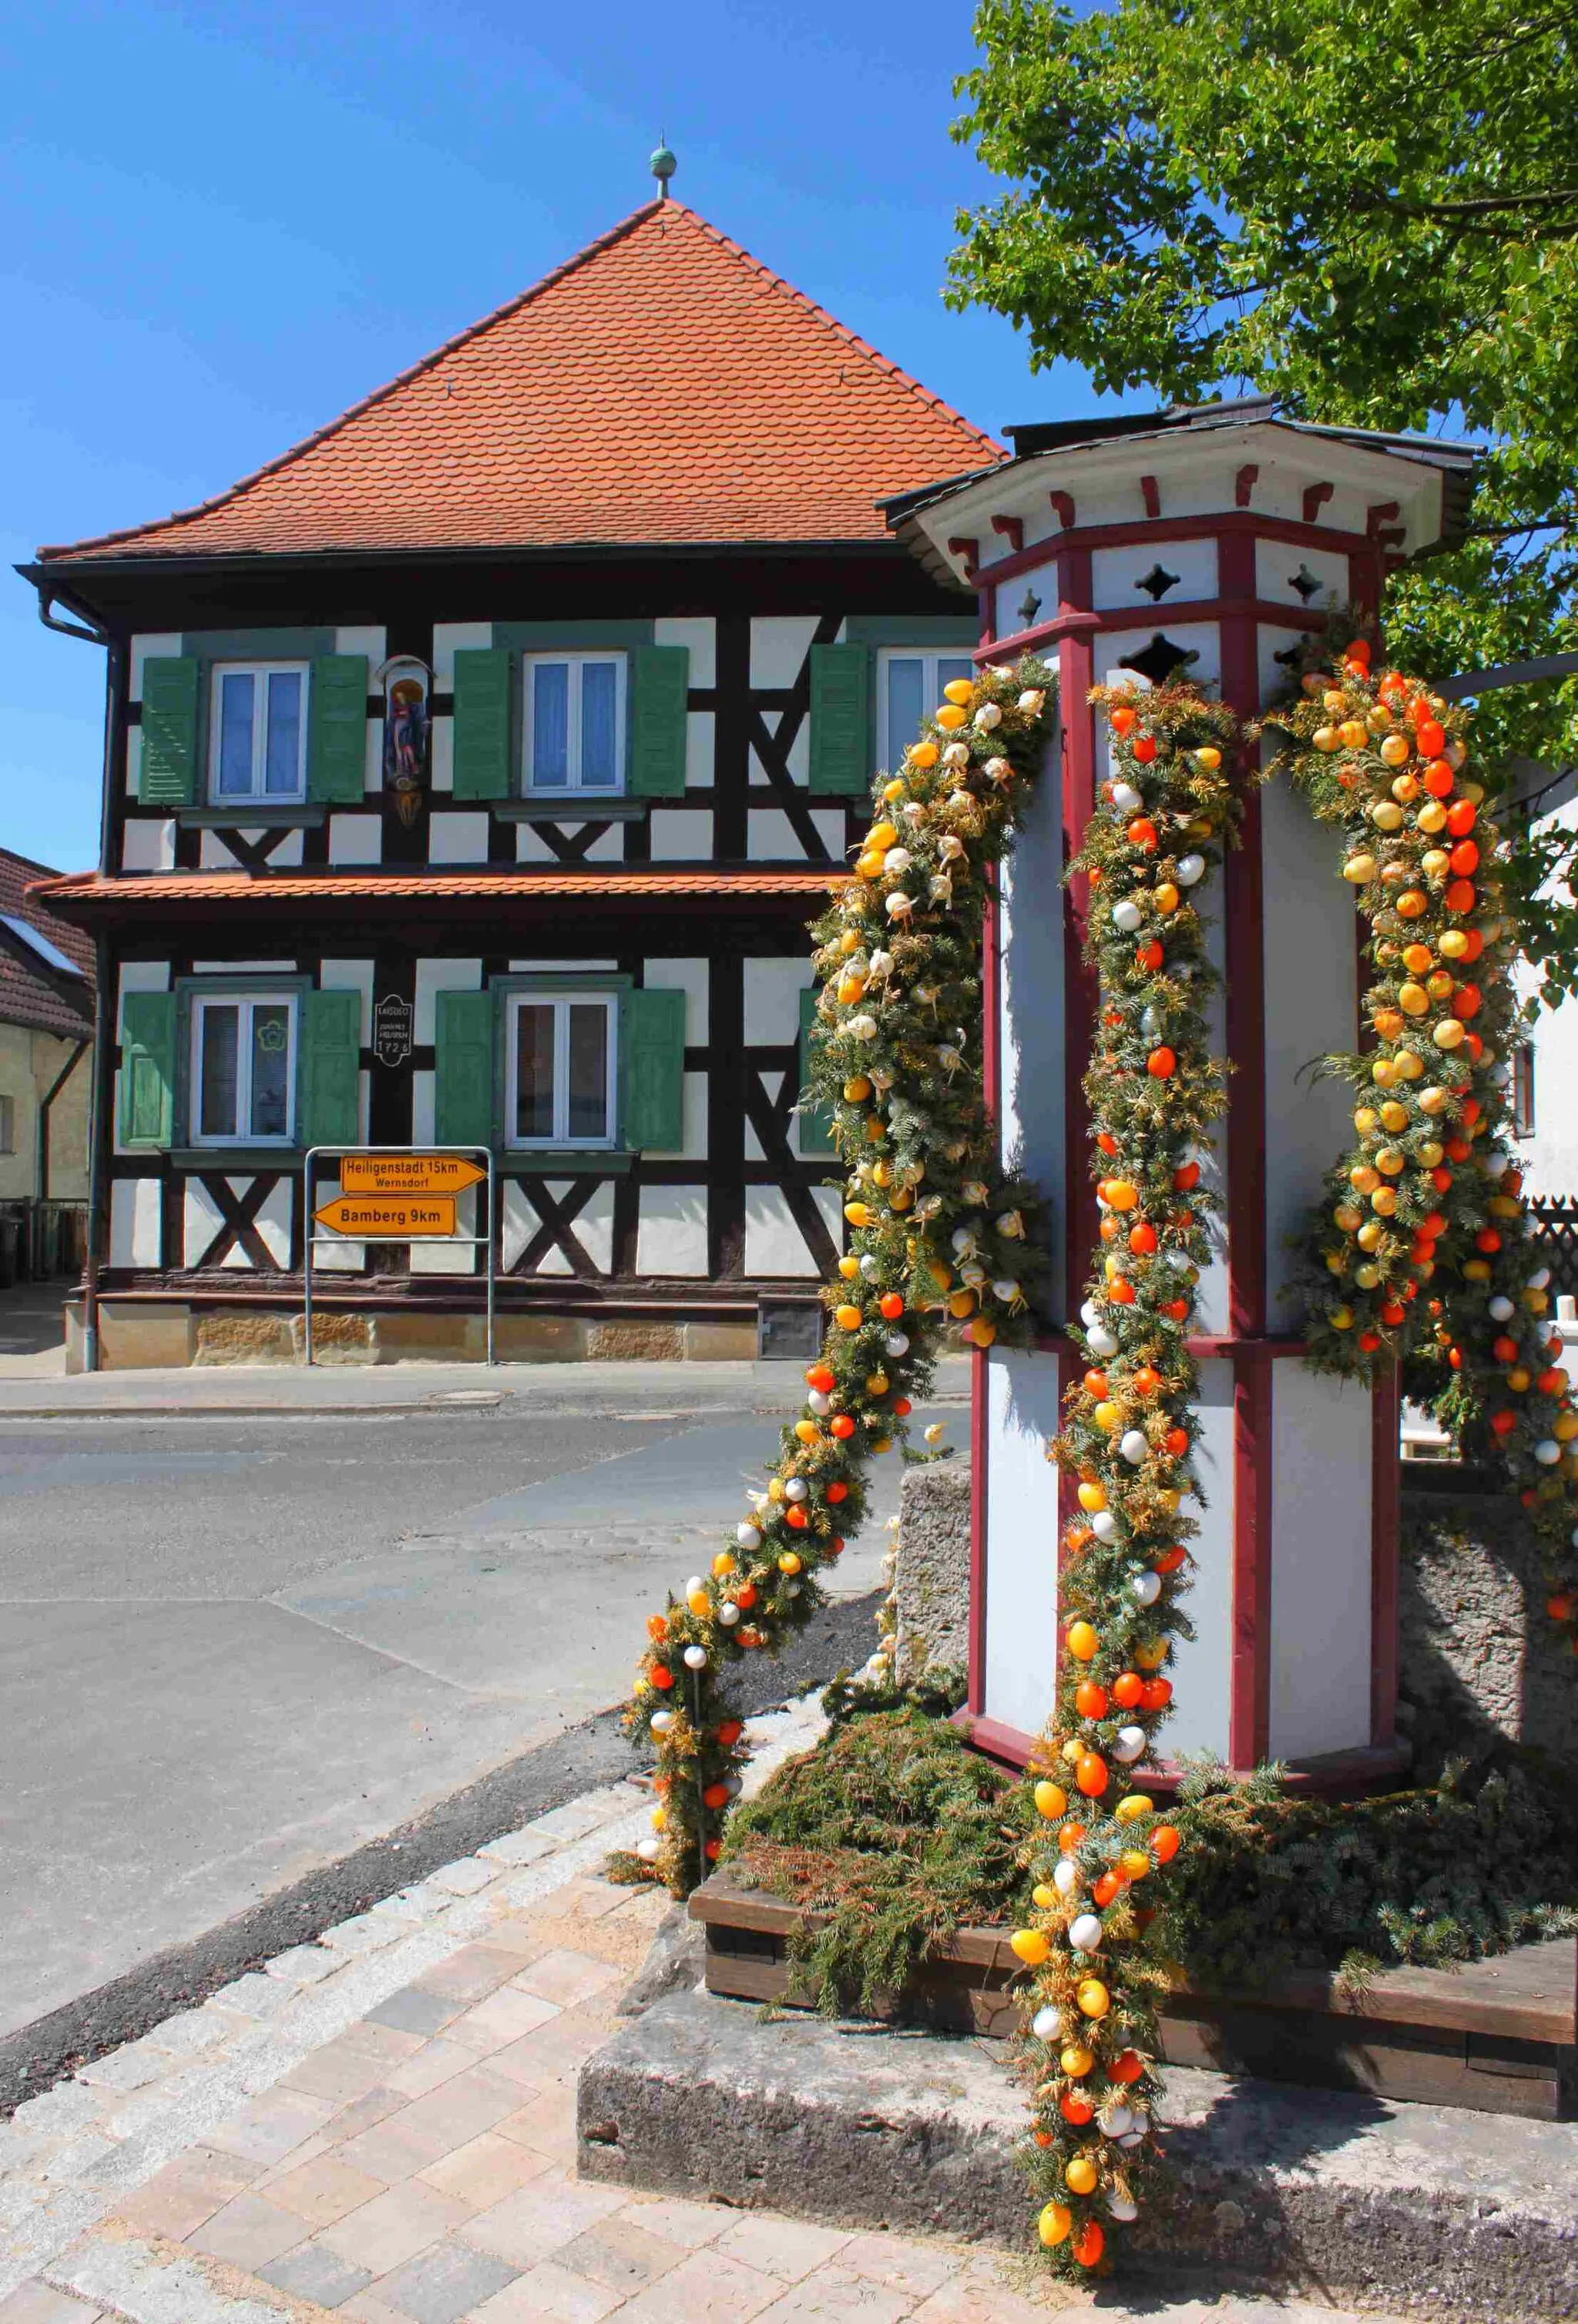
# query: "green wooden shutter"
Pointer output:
{"type": "Point", "coordinates": [659, 689]}
{"type": "Point", "coordinates": [816, 1120]}
{"type": "Point", "coordinates": [337, 730]}
{"type": "Point", "coordinates": [651, 1071]}
{"type": "Point", "coordinates": [330, 1113]}
{"type": "Point", "coordinates": [148, 1023]}
{"type": "Point", "coordinates": [482, 723]}
{"type": "Point", "coordinates": [171, 687]}
{"type": "Point", "coordinates": [841, 686]}
{"type": "Point", "coordinates": [463, 1107]}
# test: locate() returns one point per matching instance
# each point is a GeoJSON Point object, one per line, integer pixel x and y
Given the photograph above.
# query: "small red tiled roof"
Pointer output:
{"type": "Point", "coordinates": [32, 991]}
{"type": "Point", "coordinates": [663, 386]}
{"type": "Point", "coordinates": [165, 889]}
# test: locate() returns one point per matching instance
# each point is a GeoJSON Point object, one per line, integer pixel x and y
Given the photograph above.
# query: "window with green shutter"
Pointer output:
{"type": "Point", "coordinates": [337, 746]}
{"type": "Point", "coordinates": [841, 720]}
{"type": "Point", "coordinates": [147, 1095]}
{"type": "Point", "coordinates": [169, 771]}
{"type": "Point", "coordinates": [331, 1065]}
{"type": "Point", "coordinates": [816, 1120]}
{"type": "Point", "coordinates": [483, 713]}
{"type": "Point", "coordinates": [660, 691]}
{"type": "Point", "coordinates": [652, 1034]}
{"type": "Point", "coordinates": [463, 1096]}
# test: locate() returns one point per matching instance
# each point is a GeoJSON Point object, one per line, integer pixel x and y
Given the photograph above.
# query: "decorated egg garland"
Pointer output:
{"type": "Point", "coordinates": [1421, 1240]}
{"type": "Point", "coordinates": [1154, 1091]}
{"type": "Point", "coordinates": [940, 1242]}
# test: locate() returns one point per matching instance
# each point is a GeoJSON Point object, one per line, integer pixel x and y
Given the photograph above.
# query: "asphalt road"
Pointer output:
{"type": "Point", "coordinates": [235, 1649]}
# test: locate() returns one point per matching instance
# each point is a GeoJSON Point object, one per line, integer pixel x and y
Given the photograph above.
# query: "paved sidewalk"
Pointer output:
{"type": "Point", "coordinates": [685, 1390]}
{"type": "Point", "coordinates": [381, 2126]}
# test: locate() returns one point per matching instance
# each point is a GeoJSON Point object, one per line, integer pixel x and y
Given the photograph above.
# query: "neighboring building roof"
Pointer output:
{"type": "Point", "coordinates": [170, 889]}
{"type": "Point", "coordinates": [34, 991]}
{"type": "Point", "coordinates": [662, 387]}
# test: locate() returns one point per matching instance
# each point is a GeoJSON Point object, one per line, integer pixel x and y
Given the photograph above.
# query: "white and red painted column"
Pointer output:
{"type": "Point", "coordinates": [1223, 543]}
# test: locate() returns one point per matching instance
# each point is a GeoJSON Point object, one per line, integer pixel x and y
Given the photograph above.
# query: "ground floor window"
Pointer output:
{"type": "Point", "coordinates": [243, 1069]}
{"type": "Point", "coordinates": [910, 685]}
{"type": "Point", "coordinates": [559, 1069]}
{"type": "Point", "coordinates": [7, 1125]}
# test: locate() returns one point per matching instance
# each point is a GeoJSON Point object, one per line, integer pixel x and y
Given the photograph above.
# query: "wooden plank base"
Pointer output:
{"type": "Point", "coordinates": [1499, 2036]}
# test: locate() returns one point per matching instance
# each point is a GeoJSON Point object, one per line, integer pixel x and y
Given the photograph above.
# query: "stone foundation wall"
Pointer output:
{"type": "Point", "coordinates": [1478, 1663]}
{"type": "Point", "coordinates": [140, 1336]}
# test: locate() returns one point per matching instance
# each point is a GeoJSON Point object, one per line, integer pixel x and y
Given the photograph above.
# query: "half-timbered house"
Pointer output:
{"type": "Point", "coordinates": [472, 770]}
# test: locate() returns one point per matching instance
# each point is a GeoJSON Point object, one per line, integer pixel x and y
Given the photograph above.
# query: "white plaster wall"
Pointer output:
{"type": "Point", "coordinates": [1023, 1410]}
{"type": "Point", "coordinates": [433, 977]}
{"type": "Point", "coordinates": [519, 1222]}
{"type": "Point", "coordinates": [775, 1244]}
{"type": "Point", "coordinates": [441, 753]}
{"type": "Point", "coordinates": [355, 839]}
{"type": "Point", "coordinates": [133, 758]}
{"type": "Point", "coordinates": [1550, 1156]}
{"type": "Point", "coordinates": [423, 1129]}
{"type": "Point", "coordinates": [772, 838]}
{"type": "Point", "coordinates": [1116, 575]}
{"type": "Point", "coordinates": [772, 1000]}
{"type": "Point", "coordinates": [1311, 1007]}
{"type": "Point", "coordinates": [447, 638]}
{"type": "Point", "coordinates": [1321, 1444]}
{"type": "Point", "coordinates": [135, 1235]}
{"type": "Point", "coordinates": [1031, 1004]}
{"type": "Point", "coordinates": [691, 977]}
{"type": "Point", "coordinates": [243, 968]}
{"type": "Point", "coordinates": [671, 1232]}
{"type": "Point", "coordinates": [458, 839]}
{"type": "Point", "coordinates": [1204, 638]}
{"type": "Point", "coordinates": [369, 640]}
{"type": "Point", "coordinates": [779, 643]}
{"type": "Point", "coordinates": [681, 835]}
{"type": "Point", "coordinates": [698, 633]}
{"type": "Point", "coordinates": [339, 1257]}
{"type": "Point", "coordinates": [147, 845]}
{"type": "Point", "coordinates": [1276, 564]}
{"type": "Point", "coordinates": [693, 1123]}
{"type": "Point", "coordinates": [1042, 581]}
{"type": "Point", "coordinates": [700, 747]}
{"type": "Point", "coordinates": [145, 647]}
{"type": "Point", "coordinates": [1202, 1672]}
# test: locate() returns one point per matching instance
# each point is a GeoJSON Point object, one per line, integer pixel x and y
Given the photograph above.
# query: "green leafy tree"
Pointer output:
{"type": "Point", "coordinates": [1370, 210]}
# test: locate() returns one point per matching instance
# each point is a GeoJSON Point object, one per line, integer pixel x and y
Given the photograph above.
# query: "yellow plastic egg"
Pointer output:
{"type": "Point", "coordinates": [1131, 1805]}
{"type": "Point", "coordinates": [1094, 1999]}
{"type": "Point", "coordinates": [959, 691]}
{"type": "Point", "coordinates": [1076, 2060]}
{"type": "Point", "coordinates": [1055, 2224]}
{"type": "Point", "coordinates": [1043, 1895]}
{"type": "Point", "coordinates": [1093, 1496]}
{"type": "Point", "coordinates": [1082, 2175]}
{"type": "Point", "coordinates": [1106, 1415]}
{"type": "Point", "coordinates": [1134, 1863]}
{"type": "Point", "coordinates": [1030, 1946]}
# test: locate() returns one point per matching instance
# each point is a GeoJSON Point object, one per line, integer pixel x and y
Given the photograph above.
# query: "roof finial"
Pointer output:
{"type": "Point", "coordinates": [663, 167]}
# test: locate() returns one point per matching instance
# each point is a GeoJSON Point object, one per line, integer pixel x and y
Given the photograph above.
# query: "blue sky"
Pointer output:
{"type": "Point", "coordinates": [219, 227]}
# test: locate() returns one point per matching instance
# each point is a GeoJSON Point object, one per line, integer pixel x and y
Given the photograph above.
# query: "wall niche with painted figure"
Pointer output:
{"type": "Point", "coordinates": [407, 684]}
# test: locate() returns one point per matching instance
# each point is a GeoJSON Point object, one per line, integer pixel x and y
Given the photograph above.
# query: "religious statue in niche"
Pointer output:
{"type": "Point", "coordinates": [405, 733]}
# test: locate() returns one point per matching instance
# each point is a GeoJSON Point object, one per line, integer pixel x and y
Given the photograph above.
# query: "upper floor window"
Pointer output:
{"type": "Point", "coordinates": [243, 1069]}
{"type": "Point", "coordinates": [258, 744]}
{"type": "Point", "coordinates": [909, 685]}
{"type": "Point", "coordinates": [560, 1086]}
{"type": "Point", "coordinates": [574, 722]}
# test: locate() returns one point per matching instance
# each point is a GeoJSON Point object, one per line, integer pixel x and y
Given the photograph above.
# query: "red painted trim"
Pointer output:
{"type": "Point", "coordinates": [1386, 1510]}
{"type": "Point", "coordinates": [1314, 498]}
{"type": "Point", "coordinates": [1245, 483]}
{"type": "Point", "coordinates": [980, 1445]}
{"type": "Point", "coordinates": [1064, 509]}
{"type": "Point", "coordinates": [968, 552]}
{"type": "Point", "coordinates": [1219, 524]}
{"type": "Point", "coordinates": [1012, 528]}
{"type": "Point", "coordinates": [1378, 514]}
{"type": "Point", "coordinates": [1075, 663]}
{"type": "Point", "coordinates": [1151, 493]}
{"type": "Point", "coordinates": [1008, 1745]}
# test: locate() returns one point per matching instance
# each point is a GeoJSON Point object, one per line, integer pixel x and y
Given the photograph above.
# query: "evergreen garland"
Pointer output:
{"type": "Point", "coordinates": [1420, 1243]}
{"type": "Point", "coordinates": [941, 1244]}
{"type": "Point", "coordinates": [1155, 1090]}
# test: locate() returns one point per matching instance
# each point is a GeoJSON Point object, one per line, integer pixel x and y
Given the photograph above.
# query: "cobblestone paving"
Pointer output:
{"type": "Point", "coordinates": [381, 2127]}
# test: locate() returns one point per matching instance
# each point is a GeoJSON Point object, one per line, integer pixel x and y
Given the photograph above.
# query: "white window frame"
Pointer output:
{"type": "Point", "coordinates": [201, 1003]}
{"type": "Point", "coordinates": [930, 658]}
{"type": "Point", "coordinates": [575, 661]}
{"type": "Point", "coordinates": [561, 1003]}
{"type": "Point", "coordinates": [259, 672]}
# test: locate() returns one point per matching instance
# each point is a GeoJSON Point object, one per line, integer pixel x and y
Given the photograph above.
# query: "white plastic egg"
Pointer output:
{"type": "Point", "coordinates": [1130, 1744]}
{"type": "Point", "coordinates": [1127, 916]}
{"type": "Point", "coordinates": [1047, 2025]}
{"type": "Point", "coordinates": [1191, 870]}
{"type": "Point", "coordinates": [1147, 1587]}
{"type": "Point", "coordinates": [1085, 1933]}
{"type": "Point", "coordinates": [1134, 1445]}
{"type": "Point", "coordinates": [695, 1658]}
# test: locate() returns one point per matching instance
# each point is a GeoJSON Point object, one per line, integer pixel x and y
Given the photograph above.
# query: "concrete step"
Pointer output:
{"type": "Point", "coordinates": [1429, 2209]}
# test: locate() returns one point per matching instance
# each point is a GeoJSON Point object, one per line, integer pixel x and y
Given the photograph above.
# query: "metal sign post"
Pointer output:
{"type": "Point", "coordinates": [396, 1194]}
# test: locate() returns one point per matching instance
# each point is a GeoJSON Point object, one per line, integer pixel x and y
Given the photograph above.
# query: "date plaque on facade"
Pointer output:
{"type": "Point", "coordinates": [393, 1030]}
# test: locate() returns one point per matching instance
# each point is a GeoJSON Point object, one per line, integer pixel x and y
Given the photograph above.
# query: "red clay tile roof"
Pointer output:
{"type": "Point", "coordinates": [167, 889]}
{"type": "Point", "coordinates": [662, 386]}
{"type": "Point", "coordinates": [32, 993]}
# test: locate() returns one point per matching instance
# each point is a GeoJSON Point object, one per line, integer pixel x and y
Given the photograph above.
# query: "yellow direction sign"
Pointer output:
{"type": "Point", "coordinates": [388, 1218]}
{"type": "Point", "coordinates": [408, 1174]}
